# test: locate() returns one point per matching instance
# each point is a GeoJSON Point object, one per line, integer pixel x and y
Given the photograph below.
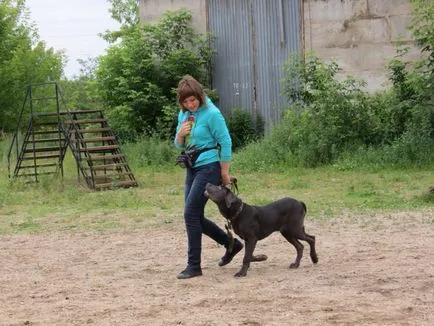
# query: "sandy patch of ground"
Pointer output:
{"type": "Point", "coordinates": [372, 270]}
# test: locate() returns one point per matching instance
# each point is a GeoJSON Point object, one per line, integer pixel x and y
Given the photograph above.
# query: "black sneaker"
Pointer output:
{"type": "Point", "coordinates": [189, 273]}
{"type": "Point", "coordinates": [231, 252]}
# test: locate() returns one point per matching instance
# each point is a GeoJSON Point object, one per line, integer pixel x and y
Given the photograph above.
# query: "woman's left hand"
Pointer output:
{"type": "Point", "coordinates": [226, 179]}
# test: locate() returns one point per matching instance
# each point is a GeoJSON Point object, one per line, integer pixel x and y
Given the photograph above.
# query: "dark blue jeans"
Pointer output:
{"type": "Point", "coordinates": [195, 221]}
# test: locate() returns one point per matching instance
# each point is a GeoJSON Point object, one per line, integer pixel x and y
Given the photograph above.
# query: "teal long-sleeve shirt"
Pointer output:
{"type": "Point", "coordinates": [209, 129]}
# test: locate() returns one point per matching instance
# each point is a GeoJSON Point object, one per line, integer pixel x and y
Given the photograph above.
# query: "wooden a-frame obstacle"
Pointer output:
{"type": "Point", "coordinates": [49, 133]}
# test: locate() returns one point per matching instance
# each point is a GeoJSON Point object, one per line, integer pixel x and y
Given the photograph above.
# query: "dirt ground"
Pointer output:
{"type": "Point", "coordinates": [372, 270]}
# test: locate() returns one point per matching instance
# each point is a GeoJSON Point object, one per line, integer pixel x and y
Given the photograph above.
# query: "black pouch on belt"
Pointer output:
{"type": "Point", "coordinates": [188, 157]}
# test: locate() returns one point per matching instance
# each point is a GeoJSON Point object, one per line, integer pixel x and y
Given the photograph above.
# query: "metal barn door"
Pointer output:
{"type": "Point", "coordinates": [253, 40]}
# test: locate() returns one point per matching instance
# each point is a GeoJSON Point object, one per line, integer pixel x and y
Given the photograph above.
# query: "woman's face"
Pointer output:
{"type": "Point", "coordinates": [191, 103]}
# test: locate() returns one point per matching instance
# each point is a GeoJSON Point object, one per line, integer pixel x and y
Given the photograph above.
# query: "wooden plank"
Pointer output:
{"type": "Point", "coordinates": [95, 120]}
{"type": "Point", "coordinates": [45, 123]}
{"type": "Point", "coordinates": [33, 174]}
{"type": "Point", "coordinates": [46, 132]}
{"type": "Point", "coordinates": [110, 177]}
{"type": "Point", "coordinates": [43, 149]}
{"type": "Point", "coordinates": [113, 166]}
{"type": "Point", "coordinates": [42, 156]}
{"type": "Point", "coordinates": [105, 157]}
{"type": "Point", "coordinates": [38, 166]}
{"type": "Point", "coordinates": [45, 114]}
{"type": "Point", "coordinates": [82, 112]}
{"type": "Point", "coordinates": [130, 183]}
{"type": "Point", "coordinates": [51, 114]}
{"type": "Point", "coordinates": [46, 140]}
{"type": "Point", "coordinates": [99, 148]}
{"type": "Point", "coordinates": [98, 139]}
{"type": "Point", "coordinates": [93, 130]}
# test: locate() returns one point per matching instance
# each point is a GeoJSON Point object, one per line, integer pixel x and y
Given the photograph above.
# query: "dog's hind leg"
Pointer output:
{"type": "Point", "coordinates": [298, 246]}
{"type": "Point", "coordinates": [311, 240]}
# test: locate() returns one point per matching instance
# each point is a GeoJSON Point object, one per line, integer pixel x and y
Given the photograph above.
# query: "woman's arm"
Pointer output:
{"type": "Point", "coordinates": [225, 173]}
{"type": "Point", "coordinates": [221, 134]}
{"type": "Point", "coordinates": [182, 129]}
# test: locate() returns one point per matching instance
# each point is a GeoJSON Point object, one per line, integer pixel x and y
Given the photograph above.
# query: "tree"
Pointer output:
{"type": "Point", "coordinates": [137, 77]}
{"type": "Point", "coordinates": [126, 12]}
{"type": "Point", "coordinates": [24, 59]}
{"type": "Point", "coordinates": [422, 27]}
{"type": "Point", "coordinates": [81, 92]}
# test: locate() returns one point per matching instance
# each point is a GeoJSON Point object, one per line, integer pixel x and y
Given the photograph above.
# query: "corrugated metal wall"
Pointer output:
{"type": "Point", "coordinates": [253, 39]}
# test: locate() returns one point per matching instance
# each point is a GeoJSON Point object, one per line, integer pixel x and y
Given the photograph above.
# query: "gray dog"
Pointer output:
{"type": "Point", "coordinates": [254, 223]}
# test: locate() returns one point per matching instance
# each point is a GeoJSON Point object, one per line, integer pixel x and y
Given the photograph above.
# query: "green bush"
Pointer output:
{"type": "Point", "coordinates": [261, 156]}
{"type": "Point", "coordinates": [413, 89]}
{"type": "Point", "coordinates": [270, 153]}
{"type": "Point", "coordinates": [244, 128]}
{"type": "Point", "coordinates": [326, 117]}
{"type": "Point", "coordinates": [151, 152]}
{"type": "Point", "coordinates": [328, 121]}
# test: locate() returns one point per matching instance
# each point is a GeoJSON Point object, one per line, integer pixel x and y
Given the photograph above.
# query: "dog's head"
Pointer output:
{"type": "Point", "coordinates": [223, 197]}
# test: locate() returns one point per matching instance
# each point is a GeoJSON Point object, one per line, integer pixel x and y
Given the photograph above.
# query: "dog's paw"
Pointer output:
{"type": "Point", "coordinates": [259, 258]}
{"type": "Point", "coordinates": [240, 274]}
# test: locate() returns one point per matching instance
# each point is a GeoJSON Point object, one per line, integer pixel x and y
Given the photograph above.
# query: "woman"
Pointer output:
{"type": "Point", "coordinates": [201, 123]}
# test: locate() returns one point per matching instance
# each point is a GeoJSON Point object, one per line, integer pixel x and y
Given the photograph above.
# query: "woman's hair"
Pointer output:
{"type": "Point", "coordinates": [188, 86]}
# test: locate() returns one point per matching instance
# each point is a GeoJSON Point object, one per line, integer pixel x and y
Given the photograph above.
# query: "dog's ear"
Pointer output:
{"type": "Point", "coordinates": [230, 198]}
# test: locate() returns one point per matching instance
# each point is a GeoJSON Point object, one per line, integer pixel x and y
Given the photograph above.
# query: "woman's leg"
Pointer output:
{"type": "Point", "coordinates": [213, 231]}
{"type": "Point", "coordinates": [209, 228]}
{"type": "Point", "coordinates": [192, 221]}
{"type": "Point", "coordinates": [195, 201]}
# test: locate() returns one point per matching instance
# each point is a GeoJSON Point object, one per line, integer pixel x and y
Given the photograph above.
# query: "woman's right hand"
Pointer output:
{"type": "Point", "coordinates": [185, 128]}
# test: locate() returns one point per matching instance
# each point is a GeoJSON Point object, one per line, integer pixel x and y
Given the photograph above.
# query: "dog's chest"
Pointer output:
{"type": "Point", "coordinates": [238, 231]}
{"type": "Point", "coordinates": [245, 229]}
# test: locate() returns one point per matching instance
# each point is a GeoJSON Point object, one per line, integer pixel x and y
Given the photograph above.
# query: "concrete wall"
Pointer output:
{"type": "Point", "coordinates": [151, 10]}
{"type": "Point", "coordinates": [360, 35]}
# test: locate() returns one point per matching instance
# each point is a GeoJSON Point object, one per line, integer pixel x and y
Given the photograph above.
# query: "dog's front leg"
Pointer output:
{"type": "Point", "coordinates": [250, 245]}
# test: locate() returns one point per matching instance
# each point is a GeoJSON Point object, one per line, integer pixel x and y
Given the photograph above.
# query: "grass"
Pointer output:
{"type": "Point", "coordinates": [64, 205]}
{"type": "Point", "coordinates": [329, 193]}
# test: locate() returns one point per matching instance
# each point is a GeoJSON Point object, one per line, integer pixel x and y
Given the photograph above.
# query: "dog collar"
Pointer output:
{"type": "Point", "coordinates": [229, 225]}
{"type": "Point", "coordinates": [238, 211]}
